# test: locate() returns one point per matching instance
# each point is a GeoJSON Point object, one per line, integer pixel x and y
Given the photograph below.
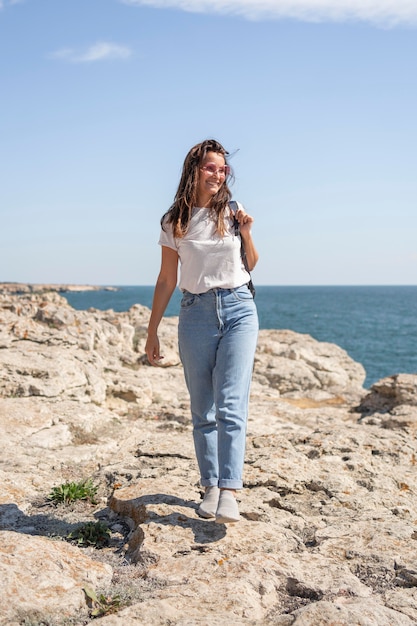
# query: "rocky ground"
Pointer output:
{"type": "Point", "coordinates": [329, 512]}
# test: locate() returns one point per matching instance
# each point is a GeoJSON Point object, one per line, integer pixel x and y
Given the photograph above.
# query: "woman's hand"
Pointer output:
{"type": "Point", "coordinates": [245, 221]}
{"type": "Point", "coordinates": [152, 349]}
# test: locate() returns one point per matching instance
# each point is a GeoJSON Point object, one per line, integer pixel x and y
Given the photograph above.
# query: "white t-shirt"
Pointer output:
{"type": "Point", "coordinates": [207, 260]}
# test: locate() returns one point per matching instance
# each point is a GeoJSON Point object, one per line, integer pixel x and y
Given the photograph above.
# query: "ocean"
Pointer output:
{"type": "Point", "coordinates": [376, 325]}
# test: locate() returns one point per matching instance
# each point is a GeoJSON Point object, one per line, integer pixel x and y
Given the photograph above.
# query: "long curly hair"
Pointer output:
{"type": "Point", "coordinates": [179, 213]}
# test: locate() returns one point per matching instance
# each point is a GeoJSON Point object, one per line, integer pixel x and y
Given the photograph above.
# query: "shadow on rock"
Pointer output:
{"type": "Point", "coordinates": [154, 514]}
{"type": "Point", "coordinates": [13, 519]}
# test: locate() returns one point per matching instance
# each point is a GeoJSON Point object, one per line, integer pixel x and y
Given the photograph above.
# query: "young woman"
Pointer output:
{"type": "Point", "coordinates": [218, 322]}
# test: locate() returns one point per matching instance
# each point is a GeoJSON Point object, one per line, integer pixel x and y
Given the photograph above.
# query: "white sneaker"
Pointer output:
{"type": "Point", "coordinates": [208, 507]}
{"type": "Point", "coordinates": [228, 510]}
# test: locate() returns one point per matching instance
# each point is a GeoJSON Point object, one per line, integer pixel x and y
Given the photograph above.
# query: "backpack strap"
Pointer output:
{"type": "Point", "coordinates": [233, 205]}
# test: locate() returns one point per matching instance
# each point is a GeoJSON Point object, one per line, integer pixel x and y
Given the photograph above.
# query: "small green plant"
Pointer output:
{"type": "Point", "coordinates": [70, 492]}
{"type": "Point", "coordinates": [91, 534]}
{"type": "Point", "coordinates": [100, 604]}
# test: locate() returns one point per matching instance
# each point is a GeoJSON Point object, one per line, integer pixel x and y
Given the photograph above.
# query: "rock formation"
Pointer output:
{"type": "Point", "coordinates": [329, 510]}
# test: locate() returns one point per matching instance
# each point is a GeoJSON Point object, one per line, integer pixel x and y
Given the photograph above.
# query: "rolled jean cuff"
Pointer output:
{"type": "Point", "coordinates": [228, 483]}
{"type": "Point", "coordinates": [209, 482]}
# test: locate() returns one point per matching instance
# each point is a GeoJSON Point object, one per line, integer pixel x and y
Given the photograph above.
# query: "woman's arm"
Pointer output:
{"type": "Point", "coordinates": [164, 288]}
{"type": "Point", "coordinates": [245, 227]}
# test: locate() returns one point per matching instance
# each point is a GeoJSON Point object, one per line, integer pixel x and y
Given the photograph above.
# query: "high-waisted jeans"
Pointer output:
{"type": "Point", "coordinates": [217, 335]}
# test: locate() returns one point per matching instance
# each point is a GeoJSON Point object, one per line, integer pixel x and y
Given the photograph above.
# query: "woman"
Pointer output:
{"type": "Point", "coordinates": [218, 322]}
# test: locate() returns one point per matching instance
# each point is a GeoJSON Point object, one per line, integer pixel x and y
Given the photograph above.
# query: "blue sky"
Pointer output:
{"type": "Point", "coordinates": [101, 100]}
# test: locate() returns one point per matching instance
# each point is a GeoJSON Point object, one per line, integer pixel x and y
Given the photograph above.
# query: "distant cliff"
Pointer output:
{"type": "Point", "coordinates": [24, 288]}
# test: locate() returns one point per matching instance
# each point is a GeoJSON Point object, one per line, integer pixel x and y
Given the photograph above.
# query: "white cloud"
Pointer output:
{"type": "Point", "coordinates": [101, 51]}
{"type": "Point", "coordinates": [5, 3]}
{"type": "Point", "coordinates": [380, 12]}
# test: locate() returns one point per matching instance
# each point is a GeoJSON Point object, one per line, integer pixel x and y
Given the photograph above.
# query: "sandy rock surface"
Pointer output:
{"type": "Point", "coordinates": [329, 509]}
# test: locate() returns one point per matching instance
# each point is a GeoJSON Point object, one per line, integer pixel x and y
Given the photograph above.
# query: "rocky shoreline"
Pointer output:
{"type": "Point", "coordinates": [329, 510]}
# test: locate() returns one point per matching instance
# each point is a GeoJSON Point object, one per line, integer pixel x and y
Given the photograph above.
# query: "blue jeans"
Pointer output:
{"type": "Point", "coordinates": [217, 335]}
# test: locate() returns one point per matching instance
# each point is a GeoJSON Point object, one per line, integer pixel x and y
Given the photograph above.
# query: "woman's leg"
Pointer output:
{"type": "Point", "coordinates": [231, 380]}
{"type": "Point", "coordinates": [198, 336]}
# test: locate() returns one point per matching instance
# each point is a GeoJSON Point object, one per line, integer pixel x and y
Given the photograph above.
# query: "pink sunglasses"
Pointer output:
{"type": "Point", "coordinates": [211, 168]}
